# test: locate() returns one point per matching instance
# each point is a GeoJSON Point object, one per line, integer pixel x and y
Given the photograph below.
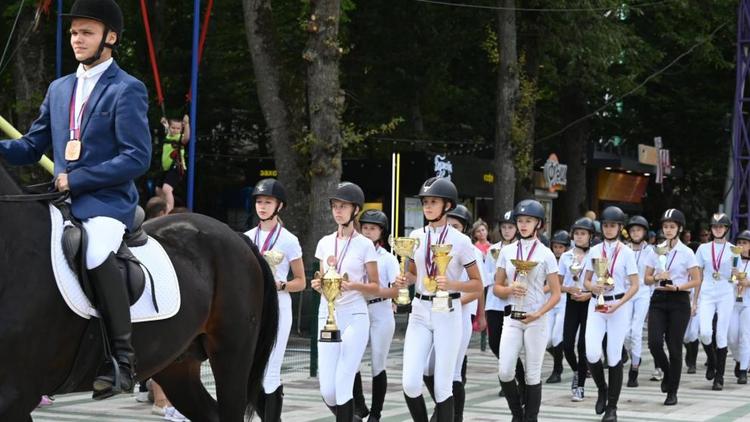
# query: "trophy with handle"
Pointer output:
{"type": "Point", "coordinates": [741, 277]}
{"type": "Point", "coordinates": [518, 303]}
{"type": "Point", "coordinates": [331, 288]}
{"type": "Point", "coordinates": [575, 270]}
{"type": "Point", "coordinates": [736, 252]}
{"type": "Point", "coordinates": [442, 301]}
{"type": "Point", "coordinates": [273, 258]}
{"type": "Point", "coordinates": [495, 253]}
{"type": "Point", "coordinates": [404, 247]}
{"type": "Point", "coordinates": [601, 268]}
{"type": "Point", "coordinates": [661, 251]}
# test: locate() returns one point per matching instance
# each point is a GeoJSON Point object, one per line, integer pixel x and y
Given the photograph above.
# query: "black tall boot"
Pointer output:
{"type": "Point", "coordinates": [500, 393]}
{"type": "Point", "coordinates": [417, 408]}
{"type": "Point", "coordinates": [360, 406]}
{"type": "Point", "coordinates": [459, 398]}
{"type": "Point", "coordinates": [533, 402]}
{"type": "Point", "coordinates": [521, 379]}
{"type": "Point", "coordinates": [429, 382]}
{"type": "Point", "coordinates": [273, 404]}
{"type": "Point", "coordinates": [557, 368]}
{"type": "Point", "coordinates": [613, 393]}
{"type": "Point", "coordinates": [345, 412]}
{"type": "Point", "coordinates": [114, 307]}
{"type": "Point", "coordinates": [597, 373]}
{"type": "Point", "coordinates": [513, 398]}
{"type": "Point", "coordinates": [721, 362]}
{"type": "Point", "coordinates": [379, 387]}
{"type": "Point", "coordinates": [691, 356]}
{"type": "Point", "coordinates": [445, 410]}
{"type": "Point", "coordinates": [633, 377]}
{"type": "Point", "coordinates": [710, 360]}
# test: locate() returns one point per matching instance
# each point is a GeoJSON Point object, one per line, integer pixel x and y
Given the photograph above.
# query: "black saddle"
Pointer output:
{"type": "Point", "coordinates": [74, 248]}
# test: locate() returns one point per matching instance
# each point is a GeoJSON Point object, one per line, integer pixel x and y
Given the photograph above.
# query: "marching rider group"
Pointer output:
{"type": "Point", "coordinates": [611, 286]}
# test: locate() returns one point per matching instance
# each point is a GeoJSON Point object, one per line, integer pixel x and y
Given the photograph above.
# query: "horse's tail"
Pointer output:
{"type": "Point", "coordinates": [269, 323]}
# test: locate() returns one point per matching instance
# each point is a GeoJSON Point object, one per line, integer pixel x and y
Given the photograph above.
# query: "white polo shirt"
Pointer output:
{"type": "Point", "coordinates": [679, 261]}
{"type": "Point", "coordinates": [547, 264]}
{"type": "Point", "coordinates": [492, 302]}
{"type": "Point", "coordinates": [462, 253]}
{"type": "Point", "coordinates": [288, 245]}
{"type": "Point", "coordinates": [711, 288]}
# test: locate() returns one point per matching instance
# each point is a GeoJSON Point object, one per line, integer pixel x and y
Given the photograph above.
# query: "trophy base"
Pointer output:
{"type": "Point", "coordinates": [442, 304]}
{"type": "Point", "coordinates": [330, 336]}
{"type": "Point", "coordinates": [403, 309]}
{"type": "Point", "coordinates": [518, 315]}
{"type": "Point", "coordinates": [601, 308]}
{"type": "Point", "coordinates": [739, 300]}
{"type": "Point", "coordinates": [664, 283]}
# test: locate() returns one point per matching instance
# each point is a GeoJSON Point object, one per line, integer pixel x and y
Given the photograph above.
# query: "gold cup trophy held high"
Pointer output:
{"type": "Point", "coordinates": [442, 301]}
{"type": "Point", "coordinates": [604, 279]}
{"type": "Point", "coordinates": [331, 290]}
{"type": "Point", "coordinates": [404, 247]}
{"type": "Point", "coordinates": [518, 302]}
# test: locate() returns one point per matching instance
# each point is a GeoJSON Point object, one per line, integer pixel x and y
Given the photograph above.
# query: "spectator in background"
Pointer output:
{"type": "Point", "coordinates": [156, 207]}
{"type": "Point", "coordinates": [479, 234]}
{"type": "Point", "coordinates": [704, 236]}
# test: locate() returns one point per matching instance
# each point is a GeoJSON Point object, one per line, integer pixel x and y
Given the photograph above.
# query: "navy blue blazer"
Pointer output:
{"type": "Point", "coordinates": [115, 143]}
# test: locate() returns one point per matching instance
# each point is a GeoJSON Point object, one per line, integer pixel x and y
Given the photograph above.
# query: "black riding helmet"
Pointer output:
{"type": "Point", "coordinates": [351, 193]}
{"type": "Point", "coordinates": [674, 215]}
{"type": "Point", "coordinates": [744, 235]}
{"type": "Point", "coordinates": [507, 218]}
{"type": "Point", "coordinates": [637, 220]}
{"type": "Point", "coordinates": [721, 219]}
{"type": "Point", "coordinates": [584, 223]}
{"type": "Point", "coordinates": [440, 187]}
{"type": "Point", "coordinates": [613, 214]}
{"type": "Point", "coordinates": [530, 208]}
{"type": "Point", "coordinates": [561, 237]}
{"type": "Point", "coordinates": [462, 214]}
{"type": "Point", "coordinates": [375, 217]}
{"type": "Point", "coordinates": [107, 12]}
{"type": "Point", "coordinates": [272, 188]}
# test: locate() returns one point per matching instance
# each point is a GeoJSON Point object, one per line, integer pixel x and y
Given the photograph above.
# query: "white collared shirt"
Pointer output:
{"type": "Point", "coordinates": [536, 279]}
{"type": "Point", "coordinates": [642, 257]}
{"type": "Point", "coordinates": [289, 246]}
{"type": "Point", "coordinates": [85, 82]}
{"type": "Point", "coordinates": [462, 253]}
{"type": "Point", "coordinates": [711, 287]}
{"type": "Point", "coordinates": [623, 268]}
{"type": "Point", "coordinates": [492, 302]}
{"type": "Point", "coordinates": [679, 260]}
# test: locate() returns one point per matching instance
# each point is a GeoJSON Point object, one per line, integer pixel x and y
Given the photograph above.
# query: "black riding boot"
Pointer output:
{"type": "Point", "coordinates": [345, 412]}
{"type": "Point", "coordinates": [633, 377]}
{"type": "Point", "coordinates": [533, 402]}
{"type": "Point", "coordinates": [417, 408]}
{"type": "Point", "coordinates": [114, 307]}
{"type": "Point", "coordinates": [557, 368]}
{"type": "Point", "coordinates": [429, 382]}
{"type": "Point", "coordinates": [459, 398]}
{"type": "Point", "coordinates": [379, 387]}
{"type": "Point", "coordinates": [691, 356]}
{"type": "Point", "coordinates": [521, 379]}
{"type": "Point", "coordinates": [513, 398]}
{"type": "Point", "coordinates": [597, 373]}
{"type": "Point", "coordinates": [360, 406]}
{"type": "Point", "coordinates": [445, 410]}
{"type": "Point", "coordinates": [613, 393]}
{"type": "Point", "coordinates": [710, 360]}
{"type": "Point", "coordinates": [721, 362]}
{"type": "Point", "coordinates": [273, 404]}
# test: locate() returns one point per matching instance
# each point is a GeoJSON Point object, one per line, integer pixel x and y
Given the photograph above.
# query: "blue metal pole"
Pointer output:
{"type": "Point", "coordinates": [193, 104]}
{"type": "Point", "coordinates": [58, 40]}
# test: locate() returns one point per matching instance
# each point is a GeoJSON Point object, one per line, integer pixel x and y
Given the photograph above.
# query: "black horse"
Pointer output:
{"type": "Point", "coordinates": [228, 315]}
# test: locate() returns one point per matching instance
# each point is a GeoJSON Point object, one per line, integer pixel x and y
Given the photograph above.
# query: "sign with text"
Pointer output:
{"type": "Point", "coordinates": [555, 174]}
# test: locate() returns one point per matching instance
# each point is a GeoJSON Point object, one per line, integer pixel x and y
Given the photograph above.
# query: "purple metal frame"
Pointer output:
{"type": "Point", "coordinates": [741, 124]}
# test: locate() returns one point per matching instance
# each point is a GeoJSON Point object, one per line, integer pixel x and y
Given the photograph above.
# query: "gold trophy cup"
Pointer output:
{"type": "Point", "coordinates": [518, 310]}
{"type": "Point", "coordinates": [273, 258]}
{"type": "Point", "coordinates": [741, 276]}
{"type": "Point", "coordinates": [442, 301]}
{"type": "Point", "coordinates": [736, 252]}
{"type": "Point", "coordinates": [495, 253]}
{"type": "Point", "coordinates": [331, 288]}
{"type": "Point", "coordinates": [601, 268]}
{"type": "Point", "coordinates": [404, 248]}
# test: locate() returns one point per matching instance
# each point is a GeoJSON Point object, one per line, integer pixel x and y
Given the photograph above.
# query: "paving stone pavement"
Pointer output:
{"type": "Point", "coordinates": [697, 402]}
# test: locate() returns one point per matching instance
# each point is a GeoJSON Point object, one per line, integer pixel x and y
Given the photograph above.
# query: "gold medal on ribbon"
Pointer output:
{"type": "Point", "coordinates": [331, 261]}
{"type": "Point", "coordinates": [73, 150]}
{"type": "Point", "coordinates": [430, 284]}
{"type": "Point", "coordinates": [717, 276]}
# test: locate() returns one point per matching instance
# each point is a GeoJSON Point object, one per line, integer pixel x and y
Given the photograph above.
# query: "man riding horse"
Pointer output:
{"type": "Point", "coordinates": [95, 121]}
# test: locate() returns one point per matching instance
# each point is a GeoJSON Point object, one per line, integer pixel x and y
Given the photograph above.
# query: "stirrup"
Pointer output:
{"type": "Point", "coordinates": [114, 388]}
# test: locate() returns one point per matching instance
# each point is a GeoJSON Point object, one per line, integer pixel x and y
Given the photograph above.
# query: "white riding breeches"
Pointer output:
{"type": "Point", "coordinates": [615, 326]}
{"type": "Point", "coordinates": [272, 376]}
{"type": "Point", "coordinates": [738, 339]}
{"type": "Point", "coordinates": [691, 332]}
{"type": "Point", "coordinates": [104, 236]}
{"type": "Point", "coordinates": [382, 327]}
{"type": "Point", "coordinates": [555, 324]}
{"type": "Point", "coordinates": [339, 362]}
{"type": "Point", "coordinates": [722, 306]}
{"type": "Point", "coordinates": [466, 329]}
{"type": "Point", "coordinates": [634, 338]}
{"type": "Point", "coordinates": [532, 338]}
{"type": "Point", "coordinates": [428, 329]}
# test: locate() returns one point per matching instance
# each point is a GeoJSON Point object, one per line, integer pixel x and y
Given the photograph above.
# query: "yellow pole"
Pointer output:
{"type": "Point", "coordinates": [9, 130]}
{"type": "Point", "coordinates": [398, 188]}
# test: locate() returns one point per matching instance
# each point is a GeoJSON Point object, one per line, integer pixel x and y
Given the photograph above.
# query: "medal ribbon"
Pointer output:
{"type": "Point", "coordinates": [717, 263]}
{"type": "Point", "coordinates": [429, 264]}
{"type": "Point", "coordinates": [671, 260]}
{"type": "Point", "coordinates": [614, 257]}
{"type": "Point", "coordinates": [75, 123]}
{"type": "Point", "coordinates": [266, 246]}
{"type": "Point", "coordinates": [340, 261]}
{"type": "Point", "coordinates": [519, 255]}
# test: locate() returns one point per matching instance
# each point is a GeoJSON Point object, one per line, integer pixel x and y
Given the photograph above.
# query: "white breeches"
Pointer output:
{"type": "Point", "coordinates": [634, 338]}
{"type": "Point", "coordinates": [615, 326]}
{"type": "Point", "coordinates": [691, 332]}
{"type": "Point", "coordinates": [104, 236]}
{"type": "Point", "coordinates": [532, 338]}
{"type": "Point", "coordinates": [555, 323]}
{"type": "Point", "coordinates": [339, 362]}
{"type": "Point", "coordinates": [426, 330]}
{"type": "Point", "coordinates": [382, 327]}
{"type": "Point", "coordinates": [739, 335]}
{"type": "Point", "coordinates": [722, 306]}
{"type": "Point", "coordinates": [272, 376]}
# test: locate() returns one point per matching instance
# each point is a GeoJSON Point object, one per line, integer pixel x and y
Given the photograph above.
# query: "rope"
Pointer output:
{"type": "Point", "coordinates": [152, 57]}
{"type": "Point", "coordinates": [12, 30]}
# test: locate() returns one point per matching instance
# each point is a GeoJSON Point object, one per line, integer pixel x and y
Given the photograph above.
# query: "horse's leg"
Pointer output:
{"type": "Point", "coordinates": [16, 406]}
{"type": "Point", "coordinates": [231, 374]}
{"type": "Point", "coordinates": [182, 384]}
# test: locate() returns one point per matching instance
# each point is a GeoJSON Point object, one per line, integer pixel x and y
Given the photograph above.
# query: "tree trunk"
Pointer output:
{"type": "Point", "coordinates": [507, 91]}
{"type": "Point", "coordinates": [573, 153]}
{"type": "Point", "coordinates": [283, 126]}
{"type": "Point", "coordinates": [30, 76]}
{"type": "Point", "coordinates": [325, 100]}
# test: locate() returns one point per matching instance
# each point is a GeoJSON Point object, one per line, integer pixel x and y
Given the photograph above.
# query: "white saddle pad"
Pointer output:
{"type": "Point", "coordinates": [152, 255]}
